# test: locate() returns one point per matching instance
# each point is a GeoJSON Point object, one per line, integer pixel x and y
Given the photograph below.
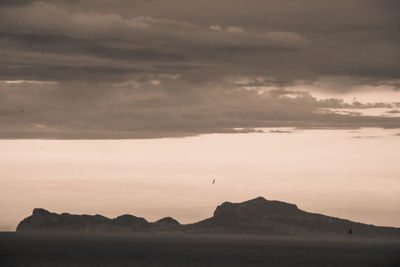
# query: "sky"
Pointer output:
{"type": "Point", "coordinates": [136, 73]}
{"type": "Point", "coordinates": [352, 174]}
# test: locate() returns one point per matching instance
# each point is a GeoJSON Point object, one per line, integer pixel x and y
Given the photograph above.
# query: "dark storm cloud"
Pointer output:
{"type": "Point", "coordinates": [137, 69]}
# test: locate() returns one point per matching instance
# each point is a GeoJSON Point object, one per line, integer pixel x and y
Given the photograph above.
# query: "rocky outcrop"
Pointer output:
{"type": "Point", "coordinates": [167, 221]}
{"type": "Point", "coordinates": [258, 216]}
{"type": "Point", "coordinates": [167, 224]}
{"type": "Point", "coordinates": [275, 217]}
{"type": "Point", "coordinates": [43, 220]}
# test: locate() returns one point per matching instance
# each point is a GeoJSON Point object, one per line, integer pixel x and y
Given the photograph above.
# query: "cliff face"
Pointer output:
{"type": "Point", "coordinates": [258, 215]}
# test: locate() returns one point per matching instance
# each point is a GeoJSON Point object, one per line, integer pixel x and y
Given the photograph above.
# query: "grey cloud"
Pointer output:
{"type": "Point", "coordinates": [143, 69]}
{"type": "Point", "coordinates": [367, 137]}
{"type": "Point", "coordinates": [339, 103]}
{"type": "Point", "coordinates": [16, 2]}
{"type": "Point", "coordinates": [287, 53]}
{"type": "Point", "coordinates": [142, 30]}
{"type": "Point", "coordinates": [149, 110]}
{"type": "Point", "coordinates": [280, 131]}
{"type": "Point", "coordinates": [123, 44]}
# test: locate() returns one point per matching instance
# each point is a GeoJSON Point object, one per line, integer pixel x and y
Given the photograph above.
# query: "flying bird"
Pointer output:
{"type": "Point", "coordinates": [213, 181]}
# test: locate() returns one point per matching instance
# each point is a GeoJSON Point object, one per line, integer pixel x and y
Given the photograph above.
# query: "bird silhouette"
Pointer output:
{"type": "Point", "coordinates": [213, 181]}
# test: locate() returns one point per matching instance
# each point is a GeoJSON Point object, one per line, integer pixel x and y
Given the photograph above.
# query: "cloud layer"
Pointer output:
{"type": "Point", "coordinates": [144, 69]}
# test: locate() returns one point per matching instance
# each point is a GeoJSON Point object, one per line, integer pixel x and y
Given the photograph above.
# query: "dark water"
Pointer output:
{"type": "Point", "coordinates": [192, 250]}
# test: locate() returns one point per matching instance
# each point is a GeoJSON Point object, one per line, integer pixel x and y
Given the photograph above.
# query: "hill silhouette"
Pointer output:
{"type": "Point", "coordinates": [256, 216]}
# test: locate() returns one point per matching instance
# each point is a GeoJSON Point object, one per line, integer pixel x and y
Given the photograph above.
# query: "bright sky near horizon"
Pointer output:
{"type": "Point", "coordinates": [349, 173]}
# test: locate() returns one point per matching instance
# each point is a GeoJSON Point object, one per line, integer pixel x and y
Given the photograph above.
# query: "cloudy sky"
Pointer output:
{"type": "Point", "coordinates": [95, 70]}
{"type": "Point", "coordinates": [89, 69]}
